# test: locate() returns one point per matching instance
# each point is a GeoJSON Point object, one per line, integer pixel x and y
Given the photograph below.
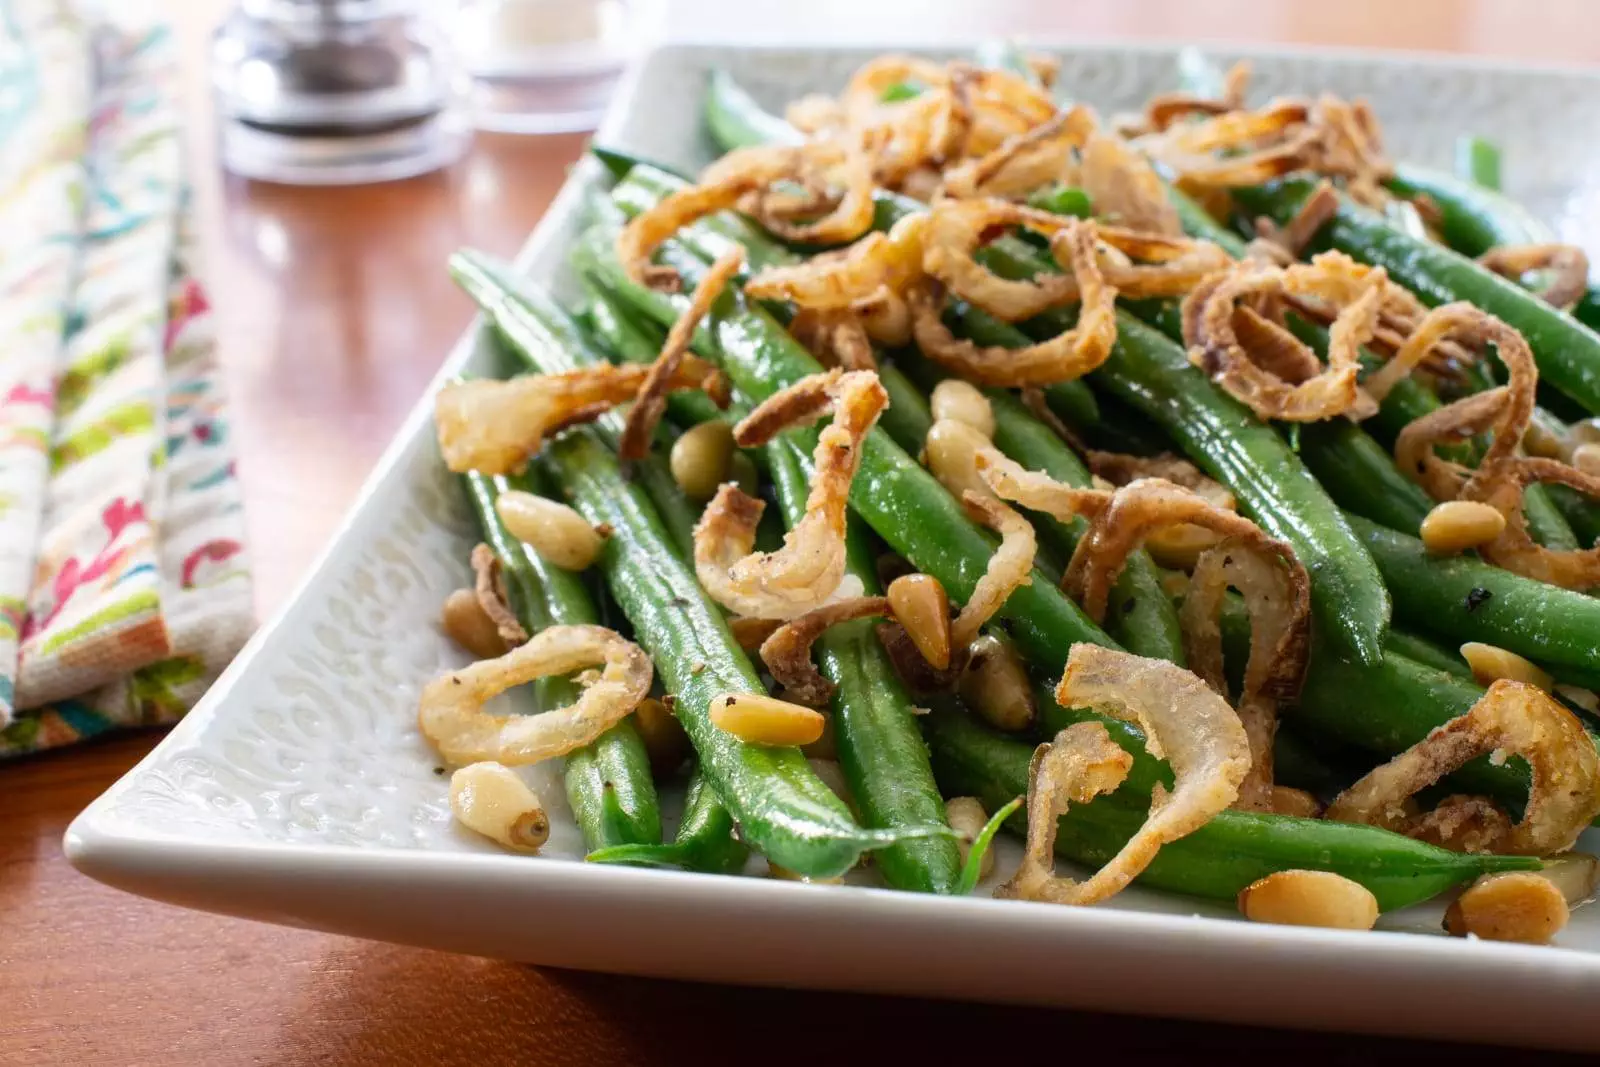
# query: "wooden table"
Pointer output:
{"type": "Point", "coordinates": [335, 311]}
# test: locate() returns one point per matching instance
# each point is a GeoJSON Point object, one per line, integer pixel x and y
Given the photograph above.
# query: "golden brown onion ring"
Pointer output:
{"type": "Point", "coordinates": [1183, 721]}
{"type": "Point", "coordinates": [452, 718]}
{"type": "Point", "coordinates": [1511, 718]}
{"type": "Point", "coordinates": [1008, 568]}
{"type": "Point", "coordinates": [787, 650]}
{"type": "Point", "coordinates": [1568, 266]}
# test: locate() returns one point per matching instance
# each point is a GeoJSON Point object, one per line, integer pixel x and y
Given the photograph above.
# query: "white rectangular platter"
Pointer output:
{"type": "Point", "coordinates": [300, 792]}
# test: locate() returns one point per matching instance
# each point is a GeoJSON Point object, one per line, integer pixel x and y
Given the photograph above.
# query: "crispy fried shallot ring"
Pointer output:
{"type": "Point", "coordinates": [1212, 329]}
{"type": "Point", "coordinates": [494, 426]}
{"type": "Point", "coordinates": [1567, 265]}
{"type": "Point", "coordinates": [957, 227]}
{"type": "Point", "coordinates": [1506, 410]}
{"type": "Point", "coordinates": [1070, 354]}
{"type": "Point", "coordinates": [1135, 511]}
{"type": "Point", "coordinates": [1277, 592]}
{"type": "Point", "coordinates": [1152, 265]}
{"type": "Point", "coordinates": [843, 219]}
{"type": "Point", "coordinates": [1024, 161]}
{"type": "Point", "coordinates": [1124, 188]}
{"type": "Point", "coordinates": [840, 279]}
{"type": "Point", "coordinates": [452, 718]}
{"type": "Point", "coordinates": [1183, 721]}
{"type": "Point", "coordinates": [787, 651]}
{"type": "Point", "coordinates": [807, 570]}
{"type": "Point", "coordinates": [1008, 568]}
{"type": "Point", "coordinates": [1510, 718]}
{"type": "Point", "coordinates": [1239, 147]}
{"type": "Point", "coordinates": [1502, 488]}
{"type": "Point", "coordinates": [489, 587]}
{"type": "Point", "coordinates": [1119, 468]}
{"type": "Point", "coordinates": [651, 402]}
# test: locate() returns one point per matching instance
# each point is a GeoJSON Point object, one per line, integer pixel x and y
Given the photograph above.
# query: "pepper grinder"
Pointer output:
{"type": "Point", "coordinates": [334, 92]}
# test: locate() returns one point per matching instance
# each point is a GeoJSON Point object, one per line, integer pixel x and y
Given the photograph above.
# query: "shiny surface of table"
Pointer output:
{"type": "Point", "coordinates": [334, 313]}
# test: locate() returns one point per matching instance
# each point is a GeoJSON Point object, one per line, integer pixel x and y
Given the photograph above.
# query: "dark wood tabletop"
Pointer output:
{"type": "Point", "coordinates": [334, 313]}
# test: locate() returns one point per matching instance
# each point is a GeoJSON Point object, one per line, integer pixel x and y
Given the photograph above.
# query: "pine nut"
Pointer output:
{"type": "Point", "coordinates": [1521, 907]}
{"type": "Point", "coordinates": [1489, 664]}
{"type": "Point", "coordinates": [1587, 458]}
{"type": "Point", "coordinates": [468, 625]}
{"type": "Point", "coordinates": [1457, 525]}
{"type": "Point", "coordinates": [662, 735]}
{"type": "Point", "coordinates": [552, 529]}
{"type": "Point", "coordinates": [700, 458]}
{"type": "Point", "coordinates": [490, 799]}
{"type": "Point", "coordinates": [1179, 545]}
{"type": "Point", "coordinates": [1296, 802]}
{"type": "Point", "coordinates": [962, 401]}
{"type": "Point", "coordinates": [1310, 898]}
{"type": "Point", "coordinates": [995, 685]}
{"type": "Point", "coordinates": [920, 605]}
{"type": "Point", "coordinates": [763, 720]}
{"type": "Point", "coordinates": [1576, 874]}
{"type": "Point", "coordinates": [952, 449]}
{"type": "Point", "coordinates": [967, 817]}
{"type": "Point", "coordinates": [1542, 440]}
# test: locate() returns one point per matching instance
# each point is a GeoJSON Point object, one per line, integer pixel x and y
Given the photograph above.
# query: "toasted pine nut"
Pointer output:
{"type": "Point", "coordinates": [1583, 432]}
{"type": "Point", "coordinates": [966, 817]}
{"type": "Point", "coordinates": [700, 458]}
{"type": "Point", "coordinates": [763, 720]}
{"type": "Point", "coordinates": [920, 605]}
{"type": "Point", "coordinates": [661, 733]}
{"type": "Point", "coordinates": [552, 529]}
{"type": "Point", "coordinates": [742, 472]}
{"type": "Point", "coordinates": [468, 625]}
{"type": "Point", "coordinates": [1521, 906]}
{"type": "Point", "coordinates": [1287, 801]}
{"type": "Point", "coordinates": [1576, 874]}
{"type": "Point", "coordinates": [994, 684]}
{"type": "Point", "coordinates": [1540, 439]}
{"type": "Point", "coordinates": [962, 401]}
{"type": "Point", "coordinates": [488, 798]}
{"type": "Point", "coordinates": [824, 747]}
{"type": "Point", "coordinates": [1586, 699]}
{"type": "Point", "coordinates": [952, 449]}
{"type": "Point", "coordinates": [1180, 544]}
{"type": "Point", "coordinates": [1457, 525]}
{"type": "Point", "coordinates": [1310, 898]}
{"type": "Point", "coordinates": [1587, 458]}
{"type": "Point", "coordinates": [1490, 664]}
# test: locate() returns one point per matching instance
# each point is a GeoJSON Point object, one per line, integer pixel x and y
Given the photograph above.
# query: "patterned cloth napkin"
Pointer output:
{"type": "Point", "coordinates": [124, 587]}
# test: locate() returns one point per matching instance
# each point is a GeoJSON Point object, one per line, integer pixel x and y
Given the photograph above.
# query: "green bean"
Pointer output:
{"type": "Point", "coordinates": [1469, 600]}
{"type": "Point", "coordinates": [1567, 352]}
{"type": "Point", "coordinates": [1427, 652]}
{"type": "Point", "coordinates": [1061, 199]}
{"type": "Point", "coordinates": [880, 749]}
{"type": "Point", "coordinates": [1478, 161]}
{"type": "Point", "coordinates": [706, 839]}
{"type": "Point", "coordinates": [898, 499]}
{"type": "Point", "coordinates": [608, 782]}
{"type": "Point", "coordinates": [1225, 855]}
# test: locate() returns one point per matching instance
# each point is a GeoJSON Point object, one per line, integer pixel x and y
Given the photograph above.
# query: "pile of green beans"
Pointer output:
{"type": "Point", "coordinates": [1330, 490]}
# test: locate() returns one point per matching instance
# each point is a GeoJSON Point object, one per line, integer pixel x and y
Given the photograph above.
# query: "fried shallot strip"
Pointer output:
{"type": "Point", "coordinates": [1567, 265]}
{"type": "Point", "coordinates": [1184, 722]}
{"type": "Point", "coordinates": [787, 651]}
{"type": "Point", "coordinates": [809, 567]}
{"type": "Point", "coordinates": [495, 426]}
{"type": "Point", "coordinates": [489, 587]}
{"type": "Point", "coordinates": [651, 402]}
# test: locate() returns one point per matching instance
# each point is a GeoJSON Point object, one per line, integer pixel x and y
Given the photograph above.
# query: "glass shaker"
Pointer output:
{"type": "Point", "coordinates": [331, 92]}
